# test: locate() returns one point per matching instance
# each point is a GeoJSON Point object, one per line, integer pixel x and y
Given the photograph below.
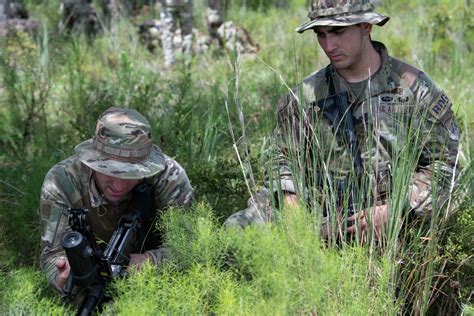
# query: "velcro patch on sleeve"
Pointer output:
{"type": "Point", "coordinates": [440, 106]}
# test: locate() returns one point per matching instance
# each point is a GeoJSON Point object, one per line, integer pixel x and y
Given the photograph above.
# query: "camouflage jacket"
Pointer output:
{"type": "Point", "coordinates": [70, 184]}
{"type": "Point", "coordinates": [176, 3]}
{"type": "Point", "coordinates": [400, 118]}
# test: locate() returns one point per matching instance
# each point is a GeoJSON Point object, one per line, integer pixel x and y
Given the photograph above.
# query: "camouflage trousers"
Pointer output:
{"type": "Point", "coordinates": [171, 16]}
{"type": "Point", "coordinates": [258, 212]}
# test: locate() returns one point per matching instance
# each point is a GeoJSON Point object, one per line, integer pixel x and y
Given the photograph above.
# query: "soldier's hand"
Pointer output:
{"type": "Point", "coordinates": [63, 271]}
{"type": "Point", "coordinates": [137, 259]}
{"type": "Point", "coordinates": [377, 217]}
{"type": "Point", "coordinates": [290, 200]}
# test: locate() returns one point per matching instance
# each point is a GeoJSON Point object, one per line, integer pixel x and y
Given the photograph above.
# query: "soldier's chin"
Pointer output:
{"type": "Point", "coordinates": [114, 199]}
{"type": "Point", "coordinates": [339, 64]}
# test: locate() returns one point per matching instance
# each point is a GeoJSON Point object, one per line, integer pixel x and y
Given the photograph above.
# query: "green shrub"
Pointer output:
{"type": "Point", "coordinates": [278, 269]}
{"type": "Point", "coordinates": [24, 292]}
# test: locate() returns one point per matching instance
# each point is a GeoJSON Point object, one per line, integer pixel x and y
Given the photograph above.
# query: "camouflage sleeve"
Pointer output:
{"type": "Point", "coordinates": [53, 224]}
{"type": "Point", "coordinates": [160, 255]}
{"type": "Point", "coordinates": [172, 186]}
{"type": "Point", "coordinates": [433, 181]}
{"type": "Point", "coordinates": [286, 140]}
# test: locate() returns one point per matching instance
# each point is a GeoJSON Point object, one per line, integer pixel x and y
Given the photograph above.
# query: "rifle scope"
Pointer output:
{"type": "Point", "coordinates": [81, 258]}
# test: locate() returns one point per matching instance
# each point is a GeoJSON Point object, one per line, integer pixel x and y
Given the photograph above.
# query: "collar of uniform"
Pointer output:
{"type": "Point", "coordinates": [382, 50]}
{"type": "Point", "coordinates": [383, 78]}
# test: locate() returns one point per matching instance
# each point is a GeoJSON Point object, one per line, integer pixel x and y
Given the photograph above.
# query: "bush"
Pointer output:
{"type": "Point", "coordinates": [24, 292]}
{"type": "Point", "coordinates": [278, 269]}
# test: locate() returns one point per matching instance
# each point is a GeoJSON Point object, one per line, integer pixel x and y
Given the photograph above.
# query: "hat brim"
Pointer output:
{"type": "Point", "coordinates": [345, 20]}
{"type": "Point", "coordinates": [103, 163]}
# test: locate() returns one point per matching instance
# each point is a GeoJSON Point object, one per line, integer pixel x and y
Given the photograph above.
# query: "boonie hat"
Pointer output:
{"type": "Point", "coordinates": [122, 146]}
{"type": "Point", "coordinates": [342, 13]}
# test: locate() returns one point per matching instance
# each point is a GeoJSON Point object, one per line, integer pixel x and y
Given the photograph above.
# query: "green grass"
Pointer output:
{"type": "Point", "coordinates": [279, 269]}
{"type": "Point", "coordinates": [53, 88]}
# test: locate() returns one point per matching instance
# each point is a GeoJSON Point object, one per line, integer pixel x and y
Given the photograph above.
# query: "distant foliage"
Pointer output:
{"type": "Point", "coordinates": [26, 84]}
{"type": "Point", "coordinates": [450, 29]}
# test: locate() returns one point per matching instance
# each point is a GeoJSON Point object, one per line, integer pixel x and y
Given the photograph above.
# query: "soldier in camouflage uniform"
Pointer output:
{"type": "Point", "coordinates": [100, 177]}
{"type": "Point", "coordinates": [214, 19]}
{"type": "Point", "coordinates": [231, 37]}
{"type": "Point", "coordinates": [172, 13]}
{"type": "Point", "coordinates": [394, 106]}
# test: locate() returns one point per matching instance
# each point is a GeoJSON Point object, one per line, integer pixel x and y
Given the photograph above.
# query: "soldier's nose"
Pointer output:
{"type": "Point", "coordinates": [118, 185]}
{"type": "Point", "coordinates": [331, 44]}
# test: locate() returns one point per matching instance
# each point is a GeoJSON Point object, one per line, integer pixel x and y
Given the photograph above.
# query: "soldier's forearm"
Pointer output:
{"type": "Point", "coordinates": [430, 188]}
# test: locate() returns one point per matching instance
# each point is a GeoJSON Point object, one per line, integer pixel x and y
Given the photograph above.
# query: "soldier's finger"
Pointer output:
{"type": "Point", "coordinates": [363, 225]}
{"type": "Point", "coordinates": [359, 216]}
{"type": "Point", "coordinates": [60, 263]}
{"type": "Point", "coordinates": [351, 229]}
{"type": "Point", "coordinates": [360, 225]}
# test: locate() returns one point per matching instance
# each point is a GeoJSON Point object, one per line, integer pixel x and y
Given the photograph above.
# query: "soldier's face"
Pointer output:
{"type": "Point", "coordinates": [114, 189]}
{"type": "Point", "coordinates": [343, 44]}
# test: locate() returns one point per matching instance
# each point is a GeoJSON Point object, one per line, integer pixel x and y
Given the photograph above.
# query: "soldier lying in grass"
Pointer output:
{"type": "Point", "coordinates": [100, 177]}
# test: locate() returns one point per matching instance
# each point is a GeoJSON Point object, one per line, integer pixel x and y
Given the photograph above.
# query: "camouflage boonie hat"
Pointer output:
{"type": "Point", "coordinates": [122, 146]}
{"type": "Point", "coordinates": [342, 13]}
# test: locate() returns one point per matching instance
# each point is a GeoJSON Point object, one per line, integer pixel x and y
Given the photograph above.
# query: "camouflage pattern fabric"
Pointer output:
{"type": "Point", "coordinates": [258, 212]}
{"type": "Point", "coordinates": [237, 38]}
{"type": "Point", "coordinates": [400, 110]}
{"type": "Point", "coordinates": [122, 146]}
{"type": "Point", "coordinates": [232, 37]}
{"type": "Point", "coordinates": [150, 34]}
{"type": "Point", "coordinates": [71, 184]}
{"type": "Point", "coordinates": [214, 19]}
{"type": "Point", "coordinates": [341, 13]}
{"type": "Point", "coordinates": [174, 12]}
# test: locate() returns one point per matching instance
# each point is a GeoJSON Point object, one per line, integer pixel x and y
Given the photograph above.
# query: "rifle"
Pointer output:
{"type": "Point", "coordinates": [92, 268]}
{"type": "Point", "coordinates": [337, 109]}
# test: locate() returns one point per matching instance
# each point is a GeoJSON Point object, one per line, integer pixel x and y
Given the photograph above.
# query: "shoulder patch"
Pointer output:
{"type": "Point", "coordinates": [440, 105]}
{"type": "Point", "coordinates": [406, 72]}
{"type": "Point", "coordinates": [409, 74]}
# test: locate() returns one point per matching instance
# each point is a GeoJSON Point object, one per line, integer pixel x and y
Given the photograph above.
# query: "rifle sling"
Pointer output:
{"type": "Point", "coordinates": [336, 108]}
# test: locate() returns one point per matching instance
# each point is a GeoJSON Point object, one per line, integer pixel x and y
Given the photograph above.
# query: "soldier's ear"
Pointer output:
{"type": "Point", "coordinates": [366, 28]}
